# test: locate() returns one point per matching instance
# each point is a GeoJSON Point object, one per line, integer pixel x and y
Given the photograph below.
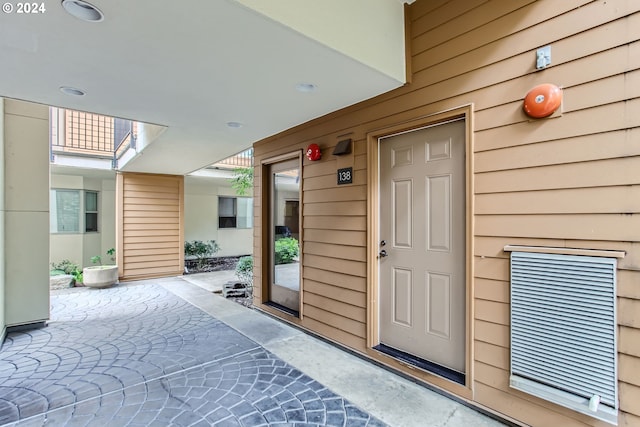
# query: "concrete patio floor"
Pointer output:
{"type": "Point", "coordinates": [170, 352]}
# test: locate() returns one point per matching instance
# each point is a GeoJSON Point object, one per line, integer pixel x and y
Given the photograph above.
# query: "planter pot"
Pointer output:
{"type": "Point", "coordinates": [100, 276]}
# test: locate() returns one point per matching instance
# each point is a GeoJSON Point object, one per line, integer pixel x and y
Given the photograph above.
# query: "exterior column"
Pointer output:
{"type": "Point", "coordinates": [26, 213]}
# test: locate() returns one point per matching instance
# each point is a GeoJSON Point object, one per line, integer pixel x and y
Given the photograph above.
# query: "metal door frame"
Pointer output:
{"type": "Point", "coordinates": [266, 222]}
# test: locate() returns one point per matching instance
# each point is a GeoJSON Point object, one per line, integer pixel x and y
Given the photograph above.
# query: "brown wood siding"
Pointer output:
{"type": "Point", "coordinates": [150, 225]}
{"type": "Point", "coordinates": [572, 180]}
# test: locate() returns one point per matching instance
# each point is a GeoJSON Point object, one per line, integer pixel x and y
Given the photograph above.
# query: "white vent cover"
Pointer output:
{"type": "Point", "coordinates": [563, 331]}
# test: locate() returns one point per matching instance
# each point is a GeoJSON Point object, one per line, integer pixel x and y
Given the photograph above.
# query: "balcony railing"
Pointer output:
{"type": "Point", "coordinates": [87, 134]}
{"type": "Point", "coordinates": [125, 133]}
{"type": "Point", "coordinates": [243, 159]}
{"type": "Point", "coordinates": [93, 135]}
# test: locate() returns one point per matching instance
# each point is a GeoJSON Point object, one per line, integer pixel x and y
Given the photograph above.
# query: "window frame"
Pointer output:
{"type": "Point", "coordinates": [91, 212]}
{"type": "Point", "coordinates": [234, 219]}
{"type": "Point", "coordinates": [81, 211]}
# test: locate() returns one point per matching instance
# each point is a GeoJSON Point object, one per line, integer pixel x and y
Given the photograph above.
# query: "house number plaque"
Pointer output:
{"type": "Point", "coordinates": [345, 176]}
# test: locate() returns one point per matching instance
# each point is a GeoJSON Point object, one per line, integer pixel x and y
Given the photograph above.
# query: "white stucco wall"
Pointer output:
{"type": "Point", "coordinates": [107, 216]}
{"type": "Point", "coordinates": [201, 217]}
{"type": "Point", "coordinates": [80, 247]}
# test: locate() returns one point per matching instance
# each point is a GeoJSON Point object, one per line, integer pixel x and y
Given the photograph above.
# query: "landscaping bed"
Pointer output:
{"type": "Point", "coordinates": [192, 266]}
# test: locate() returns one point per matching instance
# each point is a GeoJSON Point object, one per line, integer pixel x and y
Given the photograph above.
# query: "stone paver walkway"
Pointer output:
{"type": "Point", "coordinates": [138, 355]}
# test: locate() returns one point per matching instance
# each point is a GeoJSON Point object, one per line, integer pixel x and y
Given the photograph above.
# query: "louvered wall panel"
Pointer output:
{"type": "Point", "coordinates": [563, 328]}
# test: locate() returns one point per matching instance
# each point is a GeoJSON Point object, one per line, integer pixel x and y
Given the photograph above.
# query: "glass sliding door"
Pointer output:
{"type": "Point", "coordinates": [284, 239]}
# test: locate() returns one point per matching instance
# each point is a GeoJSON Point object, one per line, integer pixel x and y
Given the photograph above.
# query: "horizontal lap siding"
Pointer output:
{"type": "Point", "coordinates": [335, 286]}
{"type": "Point", "coordinates": [334, 245]}
{"type": "Point", "coordinates": [569, 181]}
{"type": "Point", "coordinates": [151, 227]}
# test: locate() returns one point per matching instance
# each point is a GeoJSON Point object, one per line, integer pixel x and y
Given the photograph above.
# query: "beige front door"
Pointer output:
{"type": "Point", "coordinates": [422, 247]}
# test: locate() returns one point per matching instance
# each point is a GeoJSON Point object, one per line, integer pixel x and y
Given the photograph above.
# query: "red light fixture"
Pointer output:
{"type": "Point", "coordinates": [313, 152]}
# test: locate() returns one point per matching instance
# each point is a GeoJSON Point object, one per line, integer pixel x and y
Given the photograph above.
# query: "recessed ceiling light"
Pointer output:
{"type": "Point", "coordinates": [234, 125]}
{"type": "Point", "coordinates": [68, 90]}
{"type": "Point", "coordinates": [83, 10]}
{"type": "Point", "coordinates": [305, 87]}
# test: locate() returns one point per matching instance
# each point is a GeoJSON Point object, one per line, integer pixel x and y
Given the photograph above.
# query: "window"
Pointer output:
{"type": "Point", "coordinates": [65, 211]}
{"type": "Point", "coordinates": [90, 211]}
{"type": "Point", "coordinates": [235, 212]}
{"type": "Point", "coordinates": [245, 212]}
{"type": "Point", "coordinates": [67, 214]}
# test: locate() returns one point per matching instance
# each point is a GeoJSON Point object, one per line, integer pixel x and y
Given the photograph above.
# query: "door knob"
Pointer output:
{"type": "Point", "coordinates": [383, 253]}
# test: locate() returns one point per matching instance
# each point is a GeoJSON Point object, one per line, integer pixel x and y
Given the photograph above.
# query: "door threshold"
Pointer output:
{"type": "Point", "coordinates": [423, 364]}
{"type": "Point", "coordinates": [280, 307]}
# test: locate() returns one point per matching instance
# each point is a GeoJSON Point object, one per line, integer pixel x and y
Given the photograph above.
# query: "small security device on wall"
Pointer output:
{"type": "Point", "coordinates": [543, 57]}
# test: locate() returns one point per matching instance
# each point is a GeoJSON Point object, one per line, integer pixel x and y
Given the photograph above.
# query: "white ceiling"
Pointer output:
{"type": "Point", "coordinates": [191, 66]}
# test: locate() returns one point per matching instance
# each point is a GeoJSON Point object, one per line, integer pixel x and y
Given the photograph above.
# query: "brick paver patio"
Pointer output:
{"type": "Point", "coordinates": [137, 355]}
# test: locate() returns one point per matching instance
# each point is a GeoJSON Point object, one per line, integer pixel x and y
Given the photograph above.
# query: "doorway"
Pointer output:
{"type": "Point", "coordinates": [284, 236]}
{"type": "Point", "coordinates": [422, 248]}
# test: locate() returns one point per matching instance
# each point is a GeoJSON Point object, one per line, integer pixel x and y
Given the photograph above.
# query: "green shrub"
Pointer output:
{"type": "Point", "coordinates": [97, 259]}
{"type": "Point", "coordinates": [244, 270]}
{"type": "Point", "coordinates": [287, 250]}
{"type": "Point", "coordinates": [67, 267]}
{"type": "Point", "coordinates": [200, 250]}
{"type": "Point", "coordinates": [64, 267]}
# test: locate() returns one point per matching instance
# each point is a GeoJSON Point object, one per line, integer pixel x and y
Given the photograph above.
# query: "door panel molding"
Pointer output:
{"type": "Point", "coordinates": [438, 295]}
{"type": "Point", "coordinates": [438, 187]}
{"type": "Point", "coordinates": [402, 295]}
{"type": "Point", "coordinates": [403, 222]}
{"type": "Point", "coordinates": [441, 149]}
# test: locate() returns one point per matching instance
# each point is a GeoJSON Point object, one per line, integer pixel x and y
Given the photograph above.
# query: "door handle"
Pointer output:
{"type": "Point", "coordinates": [383, 253]}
